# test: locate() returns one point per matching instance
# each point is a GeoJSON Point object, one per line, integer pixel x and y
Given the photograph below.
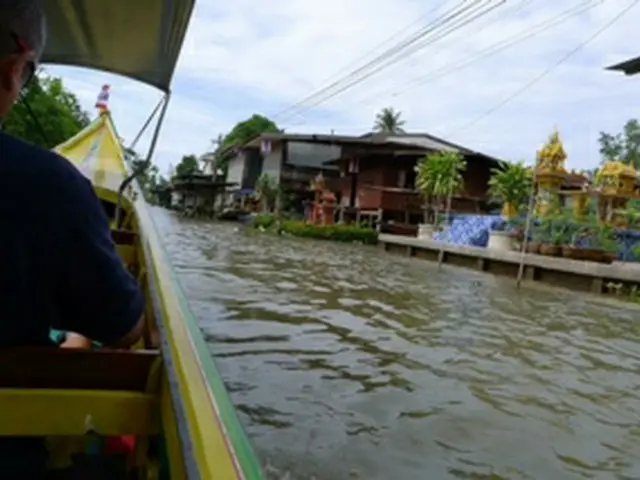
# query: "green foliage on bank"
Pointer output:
{"type": "Point", "coordinates": [55, 117]}
{"type": "Point", "coordinates": [242, 133]}
{"type": "Point", "coordinates": [264, 221]}
{"type": "Point", "coordinates": [337, 233]}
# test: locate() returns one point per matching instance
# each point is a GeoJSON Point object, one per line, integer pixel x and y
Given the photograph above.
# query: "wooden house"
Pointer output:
{"type": "Point", "coordinates": [378, 179]}
{"type": "Point", "coordinates": [373, 175]}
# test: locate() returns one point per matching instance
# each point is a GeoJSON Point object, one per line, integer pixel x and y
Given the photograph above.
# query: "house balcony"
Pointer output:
{"type": "Point", "coordinates": [373, 197]}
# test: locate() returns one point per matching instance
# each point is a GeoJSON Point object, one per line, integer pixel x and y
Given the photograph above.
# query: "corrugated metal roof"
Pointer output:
{"type": "Point", "coordinates": [424, 142]}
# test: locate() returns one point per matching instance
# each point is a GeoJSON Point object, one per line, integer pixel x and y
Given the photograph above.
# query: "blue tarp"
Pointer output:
{"type": "Point", "coordinates": [472, 230]}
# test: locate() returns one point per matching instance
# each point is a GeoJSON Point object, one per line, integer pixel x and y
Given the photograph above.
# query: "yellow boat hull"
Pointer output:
{"type": "Point", "coordinates": [167, 393]}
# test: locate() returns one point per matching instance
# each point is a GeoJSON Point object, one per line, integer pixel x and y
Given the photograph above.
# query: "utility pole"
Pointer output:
{"type": "Point", "coordinates": [216, 144]}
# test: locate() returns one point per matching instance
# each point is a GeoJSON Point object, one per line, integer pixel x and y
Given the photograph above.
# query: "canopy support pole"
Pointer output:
{"type": "Point", "coordinates": [146, 123]}
{"type": "Point", "coordinates": [152, 148]}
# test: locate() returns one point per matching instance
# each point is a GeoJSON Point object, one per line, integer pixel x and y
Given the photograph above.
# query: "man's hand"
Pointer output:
{"type": "Point", "coordinates": [75, 340]}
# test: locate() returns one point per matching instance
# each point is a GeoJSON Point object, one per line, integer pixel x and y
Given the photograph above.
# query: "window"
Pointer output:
{"type": "Point", "coordinates": [402, 179]}
{"type": "Point", "coordinates": [411, 179]}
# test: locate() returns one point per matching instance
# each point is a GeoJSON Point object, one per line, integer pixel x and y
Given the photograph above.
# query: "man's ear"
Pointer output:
{"type": "Point", "coordinates": [10, 73]}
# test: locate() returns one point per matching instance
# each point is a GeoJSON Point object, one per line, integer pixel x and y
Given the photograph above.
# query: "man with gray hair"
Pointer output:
{"type": "Point", "coordinates": [59, 266]}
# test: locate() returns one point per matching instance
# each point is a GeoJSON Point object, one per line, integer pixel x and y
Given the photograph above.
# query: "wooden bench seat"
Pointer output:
{"type": "Point", "coordinates": [66, 368]}
{"type": "Point", "coordinates": [56, 391]}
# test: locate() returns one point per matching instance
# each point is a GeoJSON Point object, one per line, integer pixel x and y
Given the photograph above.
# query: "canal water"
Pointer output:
{"type": "Point", "coordinates": [348, 363]}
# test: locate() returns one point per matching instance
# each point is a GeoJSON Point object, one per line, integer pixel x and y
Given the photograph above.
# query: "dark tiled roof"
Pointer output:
{"type": "Point", "coordinates": [303, 137]}
{"type": "Point", "coordinates": [422, 141]}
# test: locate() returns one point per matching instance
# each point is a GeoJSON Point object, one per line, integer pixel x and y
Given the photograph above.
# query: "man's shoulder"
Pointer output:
{"type": "Point", "coordinates": [41, 169]}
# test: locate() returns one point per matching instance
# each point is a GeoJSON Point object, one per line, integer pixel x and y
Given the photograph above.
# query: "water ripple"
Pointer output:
{"type": "Point", "coordinates": [345, 362]}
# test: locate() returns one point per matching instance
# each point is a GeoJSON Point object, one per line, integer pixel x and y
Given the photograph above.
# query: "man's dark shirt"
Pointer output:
{"type": "Point", "coordinates": [59, 265]}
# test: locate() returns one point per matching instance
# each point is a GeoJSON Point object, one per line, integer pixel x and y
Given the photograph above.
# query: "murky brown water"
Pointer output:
{"type": "Point", "coordinates": [346, 362]}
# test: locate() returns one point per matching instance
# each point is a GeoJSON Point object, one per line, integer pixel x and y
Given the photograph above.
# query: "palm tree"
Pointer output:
{"type": "Point", "coordinates": [388, 121]}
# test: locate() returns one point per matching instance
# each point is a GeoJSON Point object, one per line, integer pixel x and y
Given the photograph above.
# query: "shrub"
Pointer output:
{"type": "Point", "coordinates": [264, 221]}
{"type": "Point", "coordinates": [511, 183]}
{"type": "Point", "coordinates": [337, 233]}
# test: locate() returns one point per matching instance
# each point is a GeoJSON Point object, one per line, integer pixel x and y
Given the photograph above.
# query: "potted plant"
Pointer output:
{"type": "Point", "coordinates": [511, 184]}
{"type": "Point", "coordinates": [547, 246]}
{"type": "Point", "coordinates": [570, 249]}
{"type": "Point", "coordinates": [558, 240]}
{"type": "Point", "coordinates": [593, 241]}
{"type": "Point", "coordinates": [550, 248]}
{"type": "Point", "coordinates": [516, 230]}
{"type": "Point", "coordinates": [557, 227]}
{"type": "Point", "coordinates": [438, 175]}
{"type": "Point", "coordinates": [537, 236]}
{"type": "Point", "coordinates": [604, 242]}
{"type": "Point", "coordinates": [576, 230]}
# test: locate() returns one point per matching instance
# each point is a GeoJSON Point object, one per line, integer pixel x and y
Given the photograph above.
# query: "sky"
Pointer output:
{"type": "Point", "coordinates": [246, 56]}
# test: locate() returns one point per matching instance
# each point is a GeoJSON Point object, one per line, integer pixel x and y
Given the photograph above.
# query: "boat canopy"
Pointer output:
{"type": "Point", "coordinates": [139, 39]}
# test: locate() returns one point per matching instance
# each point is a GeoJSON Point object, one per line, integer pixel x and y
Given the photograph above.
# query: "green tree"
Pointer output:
{"type": "Point", "coordinates": [624, 146]}
{"type": "Point", "coordinates": [511, 184]}
{"type": "Point", "coordinates": [188, 166]}
{"type": "Point", "coordinates": [242, 133]}
{"type": "Point", "coordinates": [248, 129]}
{"type": "Point", "coordinates": [439, 175]}
{"type": "Point", "coordinates": [58, 112]}
{"type": "Point", "coordinates": [389, 120]}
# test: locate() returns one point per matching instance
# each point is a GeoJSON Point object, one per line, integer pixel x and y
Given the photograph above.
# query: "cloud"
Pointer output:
{"type": "Point", "coordinates": [246, 56]}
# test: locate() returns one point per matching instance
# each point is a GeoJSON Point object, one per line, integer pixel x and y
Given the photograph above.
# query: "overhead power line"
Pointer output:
{"type": "Point", "coordinates": [393, 54]}
{"type": "Point", "coordinates": [506, 43]}
{"type": "Point", "coordinates": [399, 33]}
{"type": "Point", "coordinates": [550, 69]}
{"type": "Point", "coordinates": [390, 52]}
{"type": "Point", "coordinates": [493, 49]}
{"type": "Point", "coordinates": [460, 20]}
